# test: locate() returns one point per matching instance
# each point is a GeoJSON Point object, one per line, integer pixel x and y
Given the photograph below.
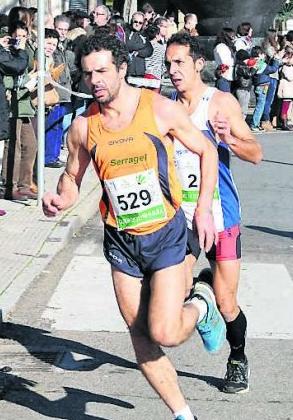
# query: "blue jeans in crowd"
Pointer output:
{"type": "Point", "coordinates": [269, 99]}
{"type": "Point", "coordinates": [260, 94]}
{"type": "Point", "coordinates": [54, 132]}
{"type": "Point", "coordinates": [223, 84]}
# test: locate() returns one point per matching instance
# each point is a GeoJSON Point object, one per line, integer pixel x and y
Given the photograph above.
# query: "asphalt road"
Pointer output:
{"type": "Point", "coordinates": [70, 355]}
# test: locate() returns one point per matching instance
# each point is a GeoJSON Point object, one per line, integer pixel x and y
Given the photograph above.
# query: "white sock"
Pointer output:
{"type": "Point", "coordinates": [185, 413]}
{"type": "Point", "coordinates": [201, 306]}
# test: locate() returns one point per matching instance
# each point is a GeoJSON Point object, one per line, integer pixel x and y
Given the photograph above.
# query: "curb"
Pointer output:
{"type": "Point", "coordinates": [60, 235]}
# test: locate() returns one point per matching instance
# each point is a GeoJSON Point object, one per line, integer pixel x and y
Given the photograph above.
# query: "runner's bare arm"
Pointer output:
{"type": "Point", "coordinates": [173, 119]}
{"type": "Point", "coordinates": [70, 181]}
{"type": "Point", "coordinates": [229, 124]}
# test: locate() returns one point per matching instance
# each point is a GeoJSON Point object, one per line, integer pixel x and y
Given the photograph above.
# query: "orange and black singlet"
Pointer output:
{"type": "Point", "coordinates": [141, 192]}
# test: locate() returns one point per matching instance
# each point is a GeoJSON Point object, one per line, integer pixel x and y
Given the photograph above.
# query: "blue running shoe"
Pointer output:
{"type": "Point", "coordinates": [182, 418]}
{"type": "Point", "coordinates": [212, 327]}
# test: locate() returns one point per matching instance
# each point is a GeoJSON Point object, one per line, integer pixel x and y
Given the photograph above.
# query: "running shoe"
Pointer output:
{"type": "Point", "coordinates": [212, 327]}
{"type": "Point", "coordinates": [182, 418]}
{"type": "Point", "coordinates": [236, 378]}
{"type": "Point", "coordinates": [205, 276]}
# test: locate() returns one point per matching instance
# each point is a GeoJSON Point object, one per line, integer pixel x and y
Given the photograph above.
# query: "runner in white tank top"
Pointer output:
{"type": "Point", "coordinates": [219, 116]}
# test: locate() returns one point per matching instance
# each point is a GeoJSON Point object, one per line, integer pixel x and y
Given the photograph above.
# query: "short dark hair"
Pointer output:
{"type": "Point", "coordinates": [242, 55]}
{"type": "Point", "coordinates": [51, 33]}
{"type": "Point", "coordinates": [151, 32]}
{"type": "Point", "coordinates": [256, 51]}
{"type": "Point", "coordinates": [183, 38]}
{"type": "Point", "coordinates": [18, 24]}
{"type": "Point", "coordinates": [244, 28]}
{"type": "Point", "coordinates": [96, 43]}
{"type": "Point", "coordinates": [159, 20]}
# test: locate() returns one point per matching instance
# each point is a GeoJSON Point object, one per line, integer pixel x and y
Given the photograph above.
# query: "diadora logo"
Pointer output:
{"type": "Point", "coordinates": [181, 152]}
{"type": "Point", "coordinates": [120, 141]}
{"type": "Point", "coordinates": [115, 258]}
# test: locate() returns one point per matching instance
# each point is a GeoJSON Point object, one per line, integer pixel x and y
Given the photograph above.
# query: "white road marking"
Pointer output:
{"type": "Point", "coordinates": [266, 296]}
{"type": "Point", "coordinates": [84, 299]}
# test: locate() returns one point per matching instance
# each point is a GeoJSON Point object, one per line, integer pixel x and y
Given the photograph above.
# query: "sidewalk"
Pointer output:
{"type": "Point", "coordinates": [29, 240]}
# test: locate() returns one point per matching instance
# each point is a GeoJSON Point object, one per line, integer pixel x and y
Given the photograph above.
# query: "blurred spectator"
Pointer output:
{"type": "Point", "coordinates": [101, 15]}
{"type": "Point", "coordinates": [261, 81]}
{"type": "Point", "coordinates": [13, 62]}
{"type": "Point", "coordinates": [271, 48]}
{"type": "Point", "coordinates": [243, 79]}
{"type": "Point", "coordinates": [21, 150]}
{"type": "Point", "coordinates": [23, 14]}
{"type": "Point", "coordinates": [162, 24]}
{"type": "Point", "coordinates": [55, 113]}
{"type": "Point", "coordinates": [243, 39]}
{"type": "Point", "coordinates": [285, 90]}
{"type": "Point", "coordinates": [138, 46]}
{"type": "Point", "coordinates": [120, 26]}
{"type": "Point", "coordinates": [149, 14]}
{"type": "Point", "coordinates": [224, 54]}
{"type": "Point", "coordinates": [190, 23]}
{"type": "Point", "coordinates": [82, 19]}
{"type": "Point", "coordinates": [172, 26]}
{"type": "Point", "coordinates": [63, 56]}
{"type": "Point", "coordinates": [155, 64]}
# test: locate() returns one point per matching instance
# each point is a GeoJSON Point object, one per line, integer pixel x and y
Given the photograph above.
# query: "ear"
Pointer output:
{"type": "Point", "coordinates": [123, 70]}
{"type": "Point", "coordinates": [199, 64]}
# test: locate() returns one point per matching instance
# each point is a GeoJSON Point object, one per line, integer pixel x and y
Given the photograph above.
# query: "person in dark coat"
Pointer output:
{"type": "Point", "coordinates": [13, 62]}
{"type": "Point", "coordinates": [138, 46]}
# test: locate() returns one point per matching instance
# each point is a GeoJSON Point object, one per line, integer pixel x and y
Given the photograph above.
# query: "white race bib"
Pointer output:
{"type": "Point", "coordinates": [188, 171]}
{"type": "Point", "coordinates": [136, 199]}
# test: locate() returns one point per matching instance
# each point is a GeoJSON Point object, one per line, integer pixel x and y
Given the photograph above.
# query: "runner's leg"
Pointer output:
{"type": "Point", "coordinates": [133, 299]}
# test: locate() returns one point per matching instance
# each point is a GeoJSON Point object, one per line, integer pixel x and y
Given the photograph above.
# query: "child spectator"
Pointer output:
{"type": "Point", "coordinates": [244, 71]}
{"type": "Point", "coordinates": [261, 82]}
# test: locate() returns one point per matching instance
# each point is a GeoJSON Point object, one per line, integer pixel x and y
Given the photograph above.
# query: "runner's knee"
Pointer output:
{"type": "Point", "coordinates": [164, 335]}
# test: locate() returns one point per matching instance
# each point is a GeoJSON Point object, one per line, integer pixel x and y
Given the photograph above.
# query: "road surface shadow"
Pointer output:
{"type": "Point", "coordinates": [72, 406]}
{"type": "Point", "coordinates": [277, 162]}
{"type": "Point", "coordinates": [271, 231]}
{"type": "Point", "coordinates": [210, 380]}
{"type": "Point", "coordinates": [60, 352]}
{"type": "Point", "coordinates": [39, 343]}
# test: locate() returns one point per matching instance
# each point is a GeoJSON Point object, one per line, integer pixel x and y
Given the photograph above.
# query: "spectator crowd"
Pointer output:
{"type": "Point", "coordinates": [262, 72]}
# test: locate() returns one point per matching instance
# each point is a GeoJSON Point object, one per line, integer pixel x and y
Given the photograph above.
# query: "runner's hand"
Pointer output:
{"type": "Point", "coordinates": [206, 228]}
{"type": "Point", "coordinates": [222, 128]}
{"type": "Point", "coordinates": [52, 204]}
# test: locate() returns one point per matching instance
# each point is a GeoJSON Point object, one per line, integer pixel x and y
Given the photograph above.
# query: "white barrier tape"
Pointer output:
{"type": "Point", "coordinates": [57, 85]}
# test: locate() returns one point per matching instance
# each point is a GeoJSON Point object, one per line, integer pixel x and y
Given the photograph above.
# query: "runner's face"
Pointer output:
{"type": "Point", "coordinates": [181, 68]}
{"type": "Point", "coordinates": [102, 76]}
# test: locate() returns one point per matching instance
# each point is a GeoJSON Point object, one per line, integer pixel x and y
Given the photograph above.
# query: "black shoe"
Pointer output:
{"type": "Point", "coordinates": [57, 164]}
{"type": "Point", "coordinates": [206, 276]}
{"type": "Point", "coordinates": [236, 378]}
{"type": "Point", "coordinates": [15, 196]}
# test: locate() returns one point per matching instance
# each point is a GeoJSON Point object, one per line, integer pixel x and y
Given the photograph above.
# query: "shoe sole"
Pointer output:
{"type": "Point", "coordinates": [223, 332]}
